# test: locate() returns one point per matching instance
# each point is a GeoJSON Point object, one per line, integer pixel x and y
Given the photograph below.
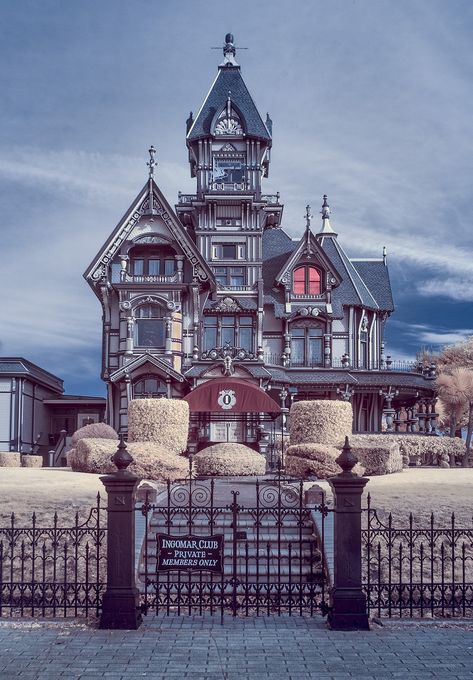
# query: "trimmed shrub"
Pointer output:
{"type": "Point", "coordinates": [306, 460]}
{"type": "Point", "coordinates": [229, 459]}
{"type": "Point", "coordinates": [10, 459]}
{"type": "Point", "coordinates": [150, 461]}
{"type": "Point", "coordinates": [93, 431]}
{"type": "Point", "coordinates": [379, 460]}
{"type": "Point", "coordinates": [31, 461]}
{"type": "Point", "coordinates": [415, 447]}
{"type": "Point", "coordinates": [164, 421]}
{"type": "Point", "coordinates": [324, 422]}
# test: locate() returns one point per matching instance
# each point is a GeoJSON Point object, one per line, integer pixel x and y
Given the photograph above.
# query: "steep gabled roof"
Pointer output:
{"type": "Point", "coordinates": [375, 274]}
{"type": "Point", "coordinates": [277, 247]}
{"type": "Point", "coordinates": [228, 80]}
{"type": "Point", "coordinates": [150, 201]}
{"type": "Point", "coordinates": [352, 290]}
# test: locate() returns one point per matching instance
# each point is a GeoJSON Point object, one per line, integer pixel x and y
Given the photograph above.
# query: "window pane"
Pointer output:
{"type": "Point", "coordinates": [149, 332]}
{"type": "Point", "coordinates": [228, 335]}
{"type": "Point", "coordinates": [246, 339]}
{"type": "Point", "coordinates": [229, 251]}
{"type": "Point", "coordinates": [153, 267]}
{"type": "Point", "coordinates": [210, 321]}
{"type": "Point", "coordinates": [210, 338]}
{"type": "Point", "coordinates": [315, 351]}
{"type": "Point", "coordinates": [169, 267]}
{"type": "Point", "coordinates": [297, 351]}
{"type": "Point", "coordinates": [298, 332]}
{"type": "Point", "coordinates": [298, 286]}
{"type": "Point", "coordinates": [315, 332]}
{"type": "Point", "coordinates": [220, 270]}
{"type": "Point", "coordinates": [246, 320]}
{"type": "Point", "coordinates": [228, 320]}
{"type": "Point", "coordinates": [237, 280]}
{"type": "Point", "coordinates": [313, 281]}
{"type": "Point", "coordinates": [138, 266]}
{"type": "Point", "coordinates": [221, 280]}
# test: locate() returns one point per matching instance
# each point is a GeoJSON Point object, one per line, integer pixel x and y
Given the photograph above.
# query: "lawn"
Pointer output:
{"type": "Point", "coordinates": [417, 490]}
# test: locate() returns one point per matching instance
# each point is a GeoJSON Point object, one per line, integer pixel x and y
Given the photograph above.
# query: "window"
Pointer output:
{"type": "Point", "coordinates": [228, 251]}
{"type": "Point", "coordinates": [152, 261]}
{"type": "Point", "coordinates": [236, 331]}
{"type": "Point", "coordinates": [306, 344]}
{"type": "Point", "coordinates": [150, 327]}
{"type": "Point", "coordinates": [306, 281]}
{"type": "Point", "coordinates": [363, 361]}
{"type": "Point", "coordinates": [230, 276]}
{"type": "Point", "coordinates": [149, 387]}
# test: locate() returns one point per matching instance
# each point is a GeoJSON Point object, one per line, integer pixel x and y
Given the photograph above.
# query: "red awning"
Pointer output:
{"type": "Point", "coordinates": [230, 395]}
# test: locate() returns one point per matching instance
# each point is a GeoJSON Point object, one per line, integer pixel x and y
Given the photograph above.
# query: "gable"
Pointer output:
{"type": "Point", "coordinates": [161, 222]}
{"type": "Point", "coordinates": [308, 251]}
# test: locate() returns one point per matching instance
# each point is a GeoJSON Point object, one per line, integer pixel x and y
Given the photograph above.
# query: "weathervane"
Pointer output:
{"type": "Point", "coordinates": [229, 51]}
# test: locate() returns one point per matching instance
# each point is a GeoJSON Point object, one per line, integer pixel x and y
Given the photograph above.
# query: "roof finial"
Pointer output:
{"type": "Point", "coordinates": [151, 163]}
{"type": "Point", "coordinates": [229, 51]}
{"type": "Point", "coordinates": [229, 104]}
{"type": "Point", "coordinates": [308, 217]}
{"type": "Point", "coordinates": [385, 255]}
{"type": "Point", "coordinates": [325, 212]}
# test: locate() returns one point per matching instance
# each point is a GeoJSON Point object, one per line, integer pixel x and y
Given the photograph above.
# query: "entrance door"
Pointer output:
{"type": "Point", "coordinates": [226, 431]}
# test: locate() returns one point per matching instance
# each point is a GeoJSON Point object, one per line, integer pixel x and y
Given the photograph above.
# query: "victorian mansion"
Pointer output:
{"type": "Point", "coordinates": [214, 302]}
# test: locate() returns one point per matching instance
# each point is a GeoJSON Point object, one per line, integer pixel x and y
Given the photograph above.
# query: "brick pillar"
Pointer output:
{"type": "Point", "coordinates": [120, 604]}
{"type": "Point", "coordinates": [348, 602]}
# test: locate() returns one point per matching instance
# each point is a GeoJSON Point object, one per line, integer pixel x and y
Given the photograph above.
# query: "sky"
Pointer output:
{"type": "Point", "coordinates": [372, 105]}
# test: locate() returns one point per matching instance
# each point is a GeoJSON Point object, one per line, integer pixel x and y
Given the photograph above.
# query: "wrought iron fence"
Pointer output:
{"type": "Point", "coordinates": [412, 570]}
{"type": "Point", "coordinates": [56, 570]}
{"type": "Point", "coordinates": [270, 561]}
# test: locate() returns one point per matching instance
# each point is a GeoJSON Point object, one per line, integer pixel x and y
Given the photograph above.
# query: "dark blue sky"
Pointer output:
{"type": "Point", "coordinates": [371, 102]}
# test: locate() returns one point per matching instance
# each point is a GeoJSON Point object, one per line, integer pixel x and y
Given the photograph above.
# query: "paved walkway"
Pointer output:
{"type": "Point", "coordinates": [200, 648]}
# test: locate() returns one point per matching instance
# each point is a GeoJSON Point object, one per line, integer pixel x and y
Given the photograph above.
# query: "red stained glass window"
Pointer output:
{"type": "Point", "coordinates": [306, 281]}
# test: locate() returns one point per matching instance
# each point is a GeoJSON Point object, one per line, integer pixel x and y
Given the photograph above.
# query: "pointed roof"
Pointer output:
{"type": "Point", "coordinates": [150, 201]}
{"type": "Point", "coordinates": [145, 358]}
{"type": "Point", "coordinates": [375, 274]}
{"type": "Point", "coordinates": [308, 247]}
{"type": "Point", "coordinates": [228, 79]}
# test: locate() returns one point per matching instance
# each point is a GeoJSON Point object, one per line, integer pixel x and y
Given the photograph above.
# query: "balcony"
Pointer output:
{"type": "Point", "coordinates": [229, 287]}
{"type": "Point", "coordinates": [272, 199]}
{"type": "Point", "coordinates": [274, 359]}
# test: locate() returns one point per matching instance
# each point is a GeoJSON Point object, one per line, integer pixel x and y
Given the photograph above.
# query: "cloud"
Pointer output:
{"type": "Point", "coordinates": [460, 289]}
{"type": "Point", "coordinates": [425, 333]}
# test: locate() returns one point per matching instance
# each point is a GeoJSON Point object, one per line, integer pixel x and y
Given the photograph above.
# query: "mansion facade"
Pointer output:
{"type": "Point", "coordinates": [212, 301]}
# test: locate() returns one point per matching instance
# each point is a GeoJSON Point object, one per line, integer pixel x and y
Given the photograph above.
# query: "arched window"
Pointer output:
{"type": "Point", "coordinates": [150, 330]}
{"type": "Point", "coordinates": [306, 281]}
{"type": "Point", "coordinates": [149, 387]}
{"type": "Point", "coordinates": [306, 344]}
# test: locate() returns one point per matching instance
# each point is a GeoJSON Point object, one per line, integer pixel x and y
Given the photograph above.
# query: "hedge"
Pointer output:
{"type": "Point", "coordinates": [324, 422]}
{"type": "Point", "coordinates": [306, 460]}
{"type": "Point", "coordinates": [164, 421]}
{"type": "Point", "coordinates": [229, 459]}
{"type": "Point", "coordinates": [150, 461]}
{"type": "Point", "coordinates": [93, 431]}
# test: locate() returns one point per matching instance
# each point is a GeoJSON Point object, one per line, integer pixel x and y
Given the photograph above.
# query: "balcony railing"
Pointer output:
{"type": "Point", "coordinates": [228, 286]}
{"type": "Point", "coordinates": [270, 198]}
{"type": "Point", "coordinates": [274, 359]}
{"type": "Point", "coordinates": [173, 278]}
{"type": "Point", "coordinates": [228, 186]}
{"type": "Point", "coordinates": [186, 198]}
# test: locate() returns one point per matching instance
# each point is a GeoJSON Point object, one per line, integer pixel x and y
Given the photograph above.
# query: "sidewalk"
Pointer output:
{"type": "Point", "coordinates": [200, 648]}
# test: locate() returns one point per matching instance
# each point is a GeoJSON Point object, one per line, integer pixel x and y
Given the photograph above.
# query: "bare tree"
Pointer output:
{"type": "Point", "coordinates": [455, 388]}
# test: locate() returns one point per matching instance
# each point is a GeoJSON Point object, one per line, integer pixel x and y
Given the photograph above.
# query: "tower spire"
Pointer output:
{"type": "Point", "coordinates": [326, 226]}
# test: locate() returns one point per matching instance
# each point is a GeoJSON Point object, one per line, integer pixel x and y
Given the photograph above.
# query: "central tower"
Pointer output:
{"type": "Point", "coordinates": [229, 155]}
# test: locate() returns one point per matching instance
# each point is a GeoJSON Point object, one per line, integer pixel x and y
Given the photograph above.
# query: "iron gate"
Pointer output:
{"type": "Point", "coordinates": [272, 554]}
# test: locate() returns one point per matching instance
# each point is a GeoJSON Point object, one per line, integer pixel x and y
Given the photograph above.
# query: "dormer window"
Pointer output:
{"type": "Point", "coordinates": [306, 280]}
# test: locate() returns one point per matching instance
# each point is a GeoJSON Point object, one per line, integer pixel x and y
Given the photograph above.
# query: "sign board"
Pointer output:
{"type": "Point", "coordinates": [190, 552]}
